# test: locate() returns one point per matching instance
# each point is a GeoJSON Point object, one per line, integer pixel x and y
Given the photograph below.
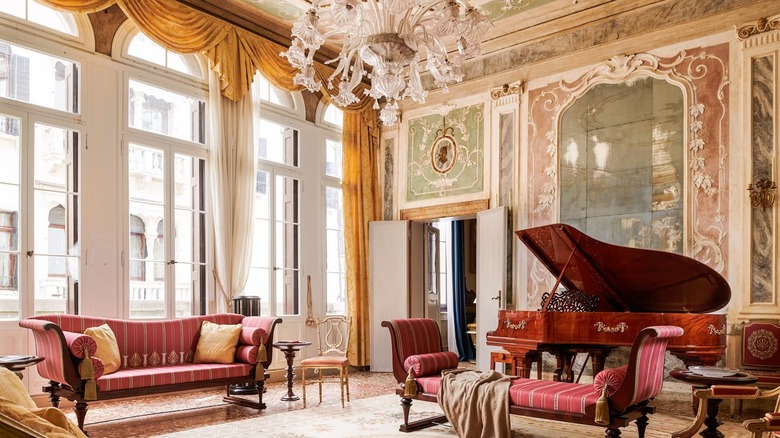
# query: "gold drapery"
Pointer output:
{"type": "Point", "coordinates": [235, 55]}
{"type": "Point", "coordinates": [359, 184]}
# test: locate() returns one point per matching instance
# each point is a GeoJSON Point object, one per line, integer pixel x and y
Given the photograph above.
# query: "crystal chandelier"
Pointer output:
{"type": "Point", "coordinates": [389, 36]}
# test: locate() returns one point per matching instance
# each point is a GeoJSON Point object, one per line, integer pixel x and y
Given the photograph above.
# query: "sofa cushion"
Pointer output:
{"type": "Point", "coordinates": [553, 396]}
{"type": "Point", "coordinates": [107, 347]}
{"type": "Point", "coordinates": [430, 363]}
{"type": "Point", "coordinates": [217, 343]}
{"type": "Point", "coordinates": [429, 385]}
{"type": "Point", "coordinates": [131, 378]}
{"type": "Point", "coordinates": [78, 343]}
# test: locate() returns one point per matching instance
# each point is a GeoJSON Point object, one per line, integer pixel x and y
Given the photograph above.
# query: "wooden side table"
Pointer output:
{"type": "Point", "coordinates": [19, 363]}
{"type": "Point", "coordinates": [713, 404]}
{"type": "Point", "coordinates": [290, 348]}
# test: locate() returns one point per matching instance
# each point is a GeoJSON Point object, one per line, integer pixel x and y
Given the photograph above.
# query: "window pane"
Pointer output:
{"type": "Point", "coordinates": [187, 280]}
{"type": "Point", "coordinates": [52, 288]}
{"type": "Point", "coordinates": [146, 170]}
{"type": "Point", "coordinates": [263, 90]}
{"type": "Point", "coordinates": [286, 292]}
{"type": "Point", "coordinates": [334, 115]}
{"type": "Point", "coordinates": [143, 47]}
{"type": "Point", "coordinates": [13, 7]}
{"type": "Point", "coordinates": [335, 256]}
{"type": "Point", "coordinates": [333, 158]}
{"type": "Point", "coordinates": [60, 21]}
{"type": "Point", "coordinates": [276, 143]}
{"type": "Point", "coordinates": [164, 112]}
{"type": "Point", "coordinates": [258, 284]}
{"type": "Point", "coordinates": [260, 244]}
{"type": "Point", "coordinates": [53, 161]}
{"type": "Point", "coordinates": [54, 79]}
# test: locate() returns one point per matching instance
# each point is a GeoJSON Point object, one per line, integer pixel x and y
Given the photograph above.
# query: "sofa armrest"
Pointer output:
{"type": "Point", "coordinates": [50, 343]}
{"type": "Point", "coordinates": [267, 323]}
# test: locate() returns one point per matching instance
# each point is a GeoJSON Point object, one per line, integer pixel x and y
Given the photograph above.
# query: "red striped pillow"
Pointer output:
{"type": "Point", "coordinates": [430, 363]}
{"type": "Point", "coordinates": [611, 378]}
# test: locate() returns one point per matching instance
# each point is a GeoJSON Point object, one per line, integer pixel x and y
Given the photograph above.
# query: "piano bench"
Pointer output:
{"type": "Point", "coordinates": [506, 358]}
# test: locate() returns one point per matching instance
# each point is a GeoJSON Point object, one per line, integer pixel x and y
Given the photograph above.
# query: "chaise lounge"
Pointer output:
{"type": "Point", "coordinates": [617, 397]}
{"type": "Point", "coordinates": [156, 357]}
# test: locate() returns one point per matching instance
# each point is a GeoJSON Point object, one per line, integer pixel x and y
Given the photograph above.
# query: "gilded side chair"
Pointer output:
{"type": "Point", "coordinates": [332, 342]}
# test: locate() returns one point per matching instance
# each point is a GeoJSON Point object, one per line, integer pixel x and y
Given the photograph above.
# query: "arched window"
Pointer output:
{"type": "Point", "coordinates": [37, 13]}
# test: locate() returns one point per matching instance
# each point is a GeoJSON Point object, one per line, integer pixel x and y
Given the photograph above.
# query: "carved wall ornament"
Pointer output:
{"type": "Point", "coordinates": [762, 344]}
{"type": "Point", "coordinates": [444, 151]}
{"type": "Point", "coordinates": [761, 26]}
{"type": "Point", "coordinates": [702, 75]}
{"type": "Point", "coordinates": [762, 193]}
{"type": "Point", "coordinates": [506, 90]}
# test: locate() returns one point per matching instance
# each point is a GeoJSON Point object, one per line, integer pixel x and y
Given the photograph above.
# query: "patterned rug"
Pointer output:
{"type": "Point", "coordinates": [379, 417]}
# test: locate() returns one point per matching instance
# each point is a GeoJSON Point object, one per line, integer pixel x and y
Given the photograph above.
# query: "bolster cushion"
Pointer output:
{"type": "Point", "coordinates": [430, 363]}
{"type": "Point", "coordinates": [76, 343]}
{"type": "Point", "coordinates": [252, 336]}
{"type": "Point", "coordinates": [611, 379]}
{"type": "Point", "coordinates": [98, 367]}
{"type": "Point", "coordinates": [246, 354]}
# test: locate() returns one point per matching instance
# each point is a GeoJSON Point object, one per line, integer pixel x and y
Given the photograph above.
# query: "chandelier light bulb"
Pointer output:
{"type": "Point", "coordinates": [392, 37]}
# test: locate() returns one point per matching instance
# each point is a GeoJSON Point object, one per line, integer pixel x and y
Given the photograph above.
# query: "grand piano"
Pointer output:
{"type": "Point", "coordinates": [604, 295]}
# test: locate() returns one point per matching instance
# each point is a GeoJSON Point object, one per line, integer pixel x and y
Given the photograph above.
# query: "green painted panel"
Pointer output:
{"type": "Point", "coordinates": [446, 154]}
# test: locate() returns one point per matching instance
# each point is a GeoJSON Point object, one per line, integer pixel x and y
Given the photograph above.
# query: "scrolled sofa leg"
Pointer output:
{"type": "Point", "coordinates": [81, 413]}
{"type": "Point", "coordinates": [406, 404]}
{"type": "Point", "coordinates": [641, 425]}
{"type": "Point", "coordinates": [612, 433]}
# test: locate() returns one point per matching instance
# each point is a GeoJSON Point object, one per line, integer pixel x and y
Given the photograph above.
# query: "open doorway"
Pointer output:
{"type": "Point", "coordinates": [457, 281]}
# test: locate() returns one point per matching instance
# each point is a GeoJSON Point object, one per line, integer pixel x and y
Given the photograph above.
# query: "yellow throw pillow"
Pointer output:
{"type": "Point", "coordinates": [217, 343]}
{"type": "Point", "coordinates": [107, 348]}
{"type": "Point", "coordinates": [12, 388]}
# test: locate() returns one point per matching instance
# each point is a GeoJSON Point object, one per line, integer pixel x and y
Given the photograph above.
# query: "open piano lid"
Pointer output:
{"type": "Point", "coordinates": [627, 279]}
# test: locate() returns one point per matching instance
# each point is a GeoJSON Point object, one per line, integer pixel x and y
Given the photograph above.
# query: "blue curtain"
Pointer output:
{"type": "Point", "coordinates": [465, 346]}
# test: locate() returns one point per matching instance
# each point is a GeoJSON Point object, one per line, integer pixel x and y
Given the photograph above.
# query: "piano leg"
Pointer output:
{"type": "Point", "coordinates": [563, 370]}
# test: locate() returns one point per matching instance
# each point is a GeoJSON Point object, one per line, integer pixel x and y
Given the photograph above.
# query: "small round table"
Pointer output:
{"type": "Point", "coordinates": [713, 404]}
{"type": "Point", "coordinates": [18, 363]}
{"type": "Point", "coordinates": [290, 348]}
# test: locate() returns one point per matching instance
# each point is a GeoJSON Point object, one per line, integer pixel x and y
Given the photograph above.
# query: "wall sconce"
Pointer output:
{"type": "Point", "coordinates": [762, 193]}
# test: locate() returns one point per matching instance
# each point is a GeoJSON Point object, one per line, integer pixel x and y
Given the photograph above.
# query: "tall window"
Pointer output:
{"type": "Point", "coordinates": [275, 266]}
{"type": "Point", "coordinates": [49, 269]}
{"type": "Point", "coordinates": [167, 255]}
{"type": "Point", "coordinates": [335, 257]}
{"type": "Point", "coordinates": [166, 184]}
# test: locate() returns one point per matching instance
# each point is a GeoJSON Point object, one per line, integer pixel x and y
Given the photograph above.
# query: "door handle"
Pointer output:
{"type": "Point", "coordinates": [498, 297]}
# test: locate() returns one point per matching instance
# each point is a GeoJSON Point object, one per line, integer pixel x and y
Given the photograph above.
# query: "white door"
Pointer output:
{"type": "Point", "coordinates": [491, 277]}
{"type": "Point", "coordinates": [432, 277]}
{"type": "Point", "coordinates": [388, 243]}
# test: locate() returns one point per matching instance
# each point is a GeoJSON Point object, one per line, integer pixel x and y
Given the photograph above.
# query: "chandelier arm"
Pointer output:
{"type": "Point", "coordinates": [377, 15]}
{"type": "Point", "coordinates": [422, 10]}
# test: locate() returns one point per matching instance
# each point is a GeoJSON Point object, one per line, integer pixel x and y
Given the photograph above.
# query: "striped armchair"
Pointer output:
{"type": "Point", "coordinates": [156, 356]}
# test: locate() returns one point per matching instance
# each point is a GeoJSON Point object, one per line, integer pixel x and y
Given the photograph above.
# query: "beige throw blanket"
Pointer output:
{"type": "Point", "coordinates": [476, 404]}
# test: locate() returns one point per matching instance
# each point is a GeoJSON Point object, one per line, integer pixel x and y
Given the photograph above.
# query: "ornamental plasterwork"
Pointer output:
{"type": "Point", "coordinates": [446, 154]}
{"type": "Point", "coordinates": [762, 344]}
{"type": "Point", "coordinates": [702, 74]}
{"type": "Point", "coordinates": [761, 26]}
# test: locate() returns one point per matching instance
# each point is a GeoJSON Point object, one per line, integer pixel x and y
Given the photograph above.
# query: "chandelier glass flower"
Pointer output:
{"type": "Point", "coordinates": [394, 37]}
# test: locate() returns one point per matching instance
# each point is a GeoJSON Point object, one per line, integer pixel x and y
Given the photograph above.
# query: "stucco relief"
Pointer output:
{"type": "Point", "coordinates": [702, 73]}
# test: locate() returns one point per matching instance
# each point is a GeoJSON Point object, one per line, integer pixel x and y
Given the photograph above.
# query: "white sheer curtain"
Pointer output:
{"type": "Point", "coordinates": [232, 176]}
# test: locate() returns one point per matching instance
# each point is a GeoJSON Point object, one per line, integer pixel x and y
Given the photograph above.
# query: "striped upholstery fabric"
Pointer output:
{"type": "Point", "coordinates": [430, 363]}
{"type": "Point", "coordinates": [416, 336]}
{"type": "Point", "coordinates": [167, 375]}
{"type": "Point", "coordinates": [48, 345]}
{"type": "Point", "coordinates": [97, 367]}
{"type": "Point", "coordinates": [554, 396]}
{"type": "Point", "coordinates": [611, 378]}
{"type": "Point", "coordinates": [429, 385]}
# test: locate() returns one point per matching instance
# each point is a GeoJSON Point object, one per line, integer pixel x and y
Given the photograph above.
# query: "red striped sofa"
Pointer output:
{"type": "Point", "coordinates": [623, 393]}
{"type": "Point", "coordinates": [156, 357]}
